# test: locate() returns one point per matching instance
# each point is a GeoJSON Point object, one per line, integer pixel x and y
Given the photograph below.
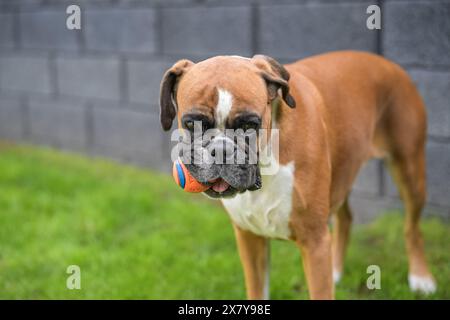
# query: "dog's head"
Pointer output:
{"type": "Point", "coordinates": [219, 97]}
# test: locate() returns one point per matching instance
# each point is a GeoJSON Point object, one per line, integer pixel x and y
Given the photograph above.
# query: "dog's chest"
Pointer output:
{"type": "Point", "coordinates": [267, 211]}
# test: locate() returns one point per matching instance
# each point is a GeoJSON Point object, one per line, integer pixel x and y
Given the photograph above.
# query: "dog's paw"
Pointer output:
{"type": "Point", "coordinates": [422, 284]}
{"type": "Point", "coordinates": [336, 276]}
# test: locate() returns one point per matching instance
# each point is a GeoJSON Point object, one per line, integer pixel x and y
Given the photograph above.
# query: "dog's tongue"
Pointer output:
{"type": "Point", "coordinates": [220, 186]}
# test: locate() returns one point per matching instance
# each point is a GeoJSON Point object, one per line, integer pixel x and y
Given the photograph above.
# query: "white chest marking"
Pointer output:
{"type": "Point", "coordinates": [267, 211]}
{"type": "Point", "coordinates": [224, 104]}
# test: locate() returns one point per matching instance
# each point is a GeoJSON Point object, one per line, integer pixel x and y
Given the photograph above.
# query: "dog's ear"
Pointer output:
{"type": "Point", "coordinates": [167, 96]}
{"type": "Point", "coordinates": [276, 77]}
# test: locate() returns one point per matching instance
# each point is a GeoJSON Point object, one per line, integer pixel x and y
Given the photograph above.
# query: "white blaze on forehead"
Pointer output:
{"type": "Point", "coordinates": [224, 104]}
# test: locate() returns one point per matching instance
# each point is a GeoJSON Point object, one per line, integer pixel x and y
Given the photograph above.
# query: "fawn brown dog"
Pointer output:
{"type": "Point", "coordinates": [334, 112]}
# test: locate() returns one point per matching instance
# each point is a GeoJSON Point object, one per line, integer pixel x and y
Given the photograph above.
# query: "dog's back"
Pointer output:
{"type": "Point", "coordinates": [370, 108]}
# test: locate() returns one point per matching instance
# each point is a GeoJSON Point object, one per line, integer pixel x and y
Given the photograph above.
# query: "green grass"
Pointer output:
{"type": "Point", "coordinates": [135, 235]}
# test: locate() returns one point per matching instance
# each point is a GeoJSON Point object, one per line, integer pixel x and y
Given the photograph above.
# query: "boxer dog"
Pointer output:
{"type": "Point", "coordinates": [334, 112]}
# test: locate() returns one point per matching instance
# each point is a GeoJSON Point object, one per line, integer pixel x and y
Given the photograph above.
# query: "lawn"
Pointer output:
{"type": "Point", "coordinates": [135, 235]}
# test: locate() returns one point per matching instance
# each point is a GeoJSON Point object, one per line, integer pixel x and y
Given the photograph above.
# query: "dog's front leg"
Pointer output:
{"type": "Point", "coordinates": [254, 254]}
{"type": "Point", "coordinates": [314, 240]}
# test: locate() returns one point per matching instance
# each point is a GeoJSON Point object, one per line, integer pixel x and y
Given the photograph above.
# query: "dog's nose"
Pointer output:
{"type": "Point", "coordinates": [222, 150]}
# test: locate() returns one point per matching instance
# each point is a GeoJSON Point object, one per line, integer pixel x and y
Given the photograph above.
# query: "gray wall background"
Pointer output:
{"type": "Point", "coordinates": [95, 91]}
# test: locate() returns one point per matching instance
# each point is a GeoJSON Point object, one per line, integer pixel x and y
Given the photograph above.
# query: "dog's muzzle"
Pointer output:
{"type": "Point", "coordinates": [226, 166]}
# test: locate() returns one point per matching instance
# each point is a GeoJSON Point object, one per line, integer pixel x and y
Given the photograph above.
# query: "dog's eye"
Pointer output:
{"type": "Point", "coordinates": [246, 122]}
{"type": "Point", "coordinates": [248, 126]}
{"type": "Point", "coordinates": [189, 124]}
{"type": "Point", "coordinates": [201, 124]}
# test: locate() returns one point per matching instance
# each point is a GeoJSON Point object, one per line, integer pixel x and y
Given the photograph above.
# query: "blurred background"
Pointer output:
{"type": "Point", "coordinates": [94, 92]}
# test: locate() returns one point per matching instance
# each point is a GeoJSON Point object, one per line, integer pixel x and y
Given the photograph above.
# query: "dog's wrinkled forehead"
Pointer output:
{"type": "Point", "coordinates": [253, 84]}
{"type": "Point", "coordinates": [221, 87]}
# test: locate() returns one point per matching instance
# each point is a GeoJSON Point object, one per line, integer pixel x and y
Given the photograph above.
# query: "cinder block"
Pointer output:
{"type": "Point", "coordinates": [434, 87]}
{"type": "Point", "coordinates": [89, 77]}
{"type": "Point", "coordinates": [46, 29]}
{"type": "Point", "coordinates": [124, 30]}
{"type": "Point", "coordinates": [207, 31]}
{"type": "Point", "coordinates": [367, 208]}
{"type": "Point", "coordinates": [437, 211]}
{"type": "Point", "coordinates": [417, 33]}
{"type": "Point", "coordinates": [128, 135]}
{"type": "Point", "coordinates": [296, 31]}
{"type": "Point", "coordinates": [144, 78]}
{"type": "Point", "coordinates": [7, 26]}
{"type": "Point", "coordinates": [438, 175]}
{"type": "Point", "coordinates": [12, 125]}
{"type": "Point", "coordinates": [25, 74]}
{"type": "Point", "coordinates": [368, 180]}
{"type": "Point", "coordinates": [19, 3]}
{"type": "Point", "coordinates": [59, 124]}
{"type": "Point", "coordinates": [167, 146]}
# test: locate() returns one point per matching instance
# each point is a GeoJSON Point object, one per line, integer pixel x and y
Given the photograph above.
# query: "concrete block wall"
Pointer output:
{"type": "Point", "coordinates": [95, 90]}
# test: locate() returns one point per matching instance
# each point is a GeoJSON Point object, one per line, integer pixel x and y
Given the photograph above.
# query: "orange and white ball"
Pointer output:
{"type": "Point", "coordinates": [185, 180]}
